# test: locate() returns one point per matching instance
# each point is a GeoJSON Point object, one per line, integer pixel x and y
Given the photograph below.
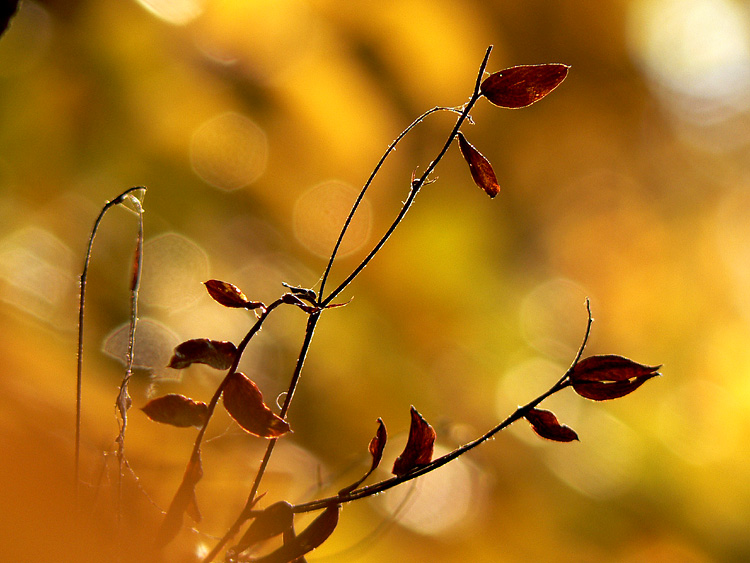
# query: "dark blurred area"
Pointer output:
{"type": "Point", "coordinates": [253, 124]}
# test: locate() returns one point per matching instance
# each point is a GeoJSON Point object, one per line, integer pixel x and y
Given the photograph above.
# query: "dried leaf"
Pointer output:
{"type": "Point", "coordinates": [244, 402]}
{"type": "Point", "coordinates": [604, 391]}
{"type": "Point", "coordinates": [177, 410]}
{"type": "Point", "coordinates": [546, 425]}
{"type": "Point", "coordinates": [602, 378]}
{"type": "Point", "coordinates": [480, 168]}
{"type": "Point", "coordinates": [311, 537]}
{"type": "Point", "coordinates": [376, 447]}
{"type": "Point", "coordinates": [302, 292]}
{"type": "Point", "coordinates": [215, 353]}
{"type": "Point", "coordinates": [419, 446]}
{"type": "Point", "coordinates": [230, 295]}
{"type": "Point", "coordinates": [184, 501]}
{"type": "Point", "coordinates": [271, 522]}
{"type": "Point", "coordinates": [521, 86]}
{"type": "Point", "coordinates": [609, 368]}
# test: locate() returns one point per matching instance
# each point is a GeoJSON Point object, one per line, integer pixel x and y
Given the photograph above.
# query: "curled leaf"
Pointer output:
{"type": "Point", "coordinates": [521, 86]}
{"type": "Point", "coordinates": [184, 501]}
{"type": "Point", "coordinates": [215, 353]}
{"type": "Point", "coordinates": [376, 447]}
{"type": "Point", "coordinates": [480, 168]}
{"type": "Point", "coordinates": [177, 410]}
{"type": "Point", "coordinates": [302, 292]}
{"type": "Point", "coordinates": [419, 446]}
{"type": "Point", "coordinates": [546, 425]}
{"type": "Point", "coordinates": [602, 378]}
{"type": "Point", "coordinates": [308, 539]}
{"type": "Point", "coordinates": [230, 295]}
{"type": "Point", "coordinates": [244, 402]}
{"type": "Point", "coordinates": [271, 522]}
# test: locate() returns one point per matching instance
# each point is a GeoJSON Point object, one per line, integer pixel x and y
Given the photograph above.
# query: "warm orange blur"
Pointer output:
{"type": "Point", "coordinates": [253, 125]}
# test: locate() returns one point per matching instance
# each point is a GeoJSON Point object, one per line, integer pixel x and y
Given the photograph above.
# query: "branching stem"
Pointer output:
{"type": "Point", "coordinates": [519, 413]}
{"type": "Point", "coordinates": [414, 188]}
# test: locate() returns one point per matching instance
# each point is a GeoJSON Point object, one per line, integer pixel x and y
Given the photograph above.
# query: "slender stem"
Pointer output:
{"type": "Point", "coordinates": [323, 302]}
{"type": "Point", "coordinates": [312, 321]}
{"type": "Point", "coordinates": [377, 488]}
{"type": "Point", "coordinates": [123, 401]}
{"type": "Point", "coordinates": [415, 186]}
{"type": "Point", "coordinates": [367, 185]}
{"type": "Point", "coordinates": [232, 370]}
{"type": "Point", "coordinates": [81, 305]}
{"type": "Point", "coordinates": [519, 413]}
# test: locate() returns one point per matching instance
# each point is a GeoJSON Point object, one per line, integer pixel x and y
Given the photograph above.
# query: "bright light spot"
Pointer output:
{"type": "Point", "coordinates": [696, 53]}
{"type": "Point", "coordinates": [698, 422]}
{"type": "Point", "coordinates": [173, 269]}
{"type": "Point", "coordinates": [176, 12]}
{"type": "Point", "coordinates": [732, 230]}
{"type": "Point", "coordinates": [229, 151]}
{"type": "Point", "coordinates": [154, 344]}
{"type": "Point", "coordinates": [436, 502]}
{"type": "Point", "coordinates": [319, 215]}
{"type": "Point", "coordinates": [607, 461]}
{"type": "Point", "coordinates": [553, 318]}
{"type": "Point", "coordinates": [36, 273]}
{"type": "Point", "coordinates": [26, 40]}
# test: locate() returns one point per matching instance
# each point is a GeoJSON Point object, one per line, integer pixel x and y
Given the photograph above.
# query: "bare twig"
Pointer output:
{"type": "Point", "coordinates": [79, 371]}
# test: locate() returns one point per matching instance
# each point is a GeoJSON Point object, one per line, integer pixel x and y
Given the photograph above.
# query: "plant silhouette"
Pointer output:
{"type": "Point", "coordinates": [596, 378]}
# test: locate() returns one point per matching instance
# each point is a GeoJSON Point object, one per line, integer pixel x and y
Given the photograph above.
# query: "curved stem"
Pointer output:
{"type": "Point", "coordinates": [415, 186]}
{"type": "Point", "coordinates": [519, 413]}
{"type": "Point", "coordinates": [377, 488]}
{"type": "Point", "coordinates": [232, 370]}
{"type": "Point", "coordinates": [369, 181]}
{"type": "Point", "coordinates": [123, 401]}
{"type": "Point", "coordinates": [81, 305]}
{"type": "Point", "coordinates": [312, 321]}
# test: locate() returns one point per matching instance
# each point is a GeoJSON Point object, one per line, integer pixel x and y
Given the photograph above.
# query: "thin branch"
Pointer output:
{"type": "Point", "coordinates": [414, 188]}
{"type": "Point", "coordinates": [377, 488]}
{"type": "Point", "coordinates": [232, 370]}
{"type": "Point", "coordinates": [81, 305]}
{"type": "Point", "coordinates": [367, 185]}
{"type": "Point", "coordinates": [519, 413]}
{"type": "Point", "coordinates": [251, 499]}
{"type": "Point", "coordinates": [415, 185]}
{"type": "Point", "coordinates": [123, 400]}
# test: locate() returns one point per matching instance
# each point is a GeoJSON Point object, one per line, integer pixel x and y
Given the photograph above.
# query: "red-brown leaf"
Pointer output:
{"type": "Point", "coordinates": [521, 86]}
{"type": "Point", "coordinates": [230, 295]}
{"type": "Point", "coordinates": [601, 378]}
{"type": "Point", "coordinates": [419, 446]}
{"type": "Point", "coordinates": [183, 501]}
{"type": "Point", "coordinates": [546, 425]}
{"type": "Point", "coordinates": [609, 368]}
{"type": "Point", "coordinates": [480, 168]}
{"type": "Point", "coordinates": [377, 445]}
{"type": "Point", "coordinates": [606, 390]}
{"type": "Point", "coordinates": [308, 539]}
{"type": "Point", "coordinates": [215, 353]}
{"type": "Point", "coordinates": [244, 402]}
{"type": "Point", "coordinates": [177, 410]}
{"type": "Point", "coordinates": [271, 522]}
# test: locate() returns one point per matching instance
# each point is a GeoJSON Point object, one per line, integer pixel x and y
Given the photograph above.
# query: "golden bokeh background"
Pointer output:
{"type": "Point", "coordinates": [253, 124]}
